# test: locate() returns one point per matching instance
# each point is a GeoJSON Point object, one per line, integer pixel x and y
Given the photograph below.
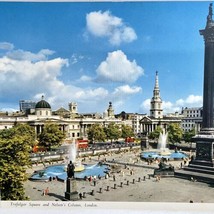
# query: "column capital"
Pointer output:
{"type": "Point", "coordinates": [208, 34]}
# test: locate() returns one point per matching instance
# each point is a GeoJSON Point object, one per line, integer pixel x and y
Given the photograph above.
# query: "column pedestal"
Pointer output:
{"type": "Point", "coordinates": [71, 193]}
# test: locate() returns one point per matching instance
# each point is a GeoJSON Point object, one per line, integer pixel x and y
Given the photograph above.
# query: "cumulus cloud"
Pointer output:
{"type": "Point", "coordinates": [6, 46]}
{"type": "Point", "coordinates": [169, 107]}
{"type": "Point", "coordinates": [118, 68]}
{"type": "Point", "coordinates": [126, 89]}
{"type": "Point", "coordinates": [104, 24]}
{"type": "Point", "coordinates": [30, 75]}
{"type": "Point", "coordinates": [29, 56]}
{"type": "Point", "coordinates": [194, 100]}
{"type": "Point", "coordinates": [85, 78]}
{"type": "Point", "coordinates": [145, 106]}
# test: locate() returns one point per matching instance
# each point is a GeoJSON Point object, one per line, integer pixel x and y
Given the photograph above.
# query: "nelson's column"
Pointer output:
{"type": "Point", "coordinates": [201, 167]}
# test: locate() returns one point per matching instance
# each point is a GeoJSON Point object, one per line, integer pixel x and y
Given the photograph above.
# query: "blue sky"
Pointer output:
{"type": "Point", "coordinates": [95, 52]}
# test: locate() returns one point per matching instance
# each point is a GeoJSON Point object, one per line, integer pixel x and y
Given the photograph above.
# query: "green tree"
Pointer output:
{"type": "Point", "coordinates": [156, 133]}
{"type": "Point", "coordinates": [188, 135]}
{"type": "Point", "coordinates": [51, 136]}
{"type": "Point", "coordinates": [15, 145]}
{"type": "Point", "coordinates": [96, 133]}
{"type": "Point", "coordinates": [113, 131]}
{"type": "Point", "coordinates": [126, 131]}
{"type": "Point", "coordinates": [175, 133]}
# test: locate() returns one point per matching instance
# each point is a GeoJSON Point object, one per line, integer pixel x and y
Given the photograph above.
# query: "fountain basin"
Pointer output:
{"type": "Point", "coordinates": [60, 172]}
{"type": "Point", "coordinates": [170, 155]}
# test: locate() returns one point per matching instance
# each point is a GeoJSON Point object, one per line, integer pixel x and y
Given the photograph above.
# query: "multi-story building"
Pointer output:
{"type": "Point", "coordinates": [192, 119]}
{"type": "Point", "coordinates": [70, 121]}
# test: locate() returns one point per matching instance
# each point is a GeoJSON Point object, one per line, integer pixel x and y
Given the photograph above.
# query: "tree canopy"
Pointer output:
{"type": "Point", "coordinates": [51, 136]}
{"type": "Point", "coordinates": [96, 133]}
{"type": "Point", "coordinates": [15, 145]}
{"type": "Point", "coordinates": [175, 133]}
{"type": "Point", "coordinates": [188, 135]}
{"type": "Point", "coordinates": [156, 133]}
{"type": "Point", "coordinates": [113, 131]}
{"type": "Point", "coordinates": [126, 131]}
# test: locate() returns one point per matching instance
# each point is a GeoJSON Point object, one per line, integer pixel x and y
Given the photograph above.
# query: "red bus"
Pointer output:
{"type": "Point", "coordinates": [82, 144]}
{"type": "Point", "coordinates": [129, 140]}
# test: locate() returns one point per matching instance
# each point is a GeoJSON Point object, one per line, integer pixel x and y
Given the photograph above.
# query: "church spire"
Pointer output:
{"type": "Point", "coordinates": [156, 102]}
{"type": "Point", "coordinates": [156, 81]}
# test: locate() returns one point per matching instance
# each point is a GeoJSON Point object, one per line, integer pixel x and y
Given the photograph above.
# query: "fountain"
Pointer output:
{"type": "Point", "coordinates": [162, 141]}
{"type": "Point", "coordinates": [162, 152]}
{"type": "Point", "coordinates": [60, 170]}
{"type": "Point", "coordinates": [72, 157]}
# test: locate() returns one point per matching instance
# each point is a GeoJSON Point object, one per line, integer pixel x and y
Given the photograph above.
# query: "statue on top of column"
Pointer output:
{"type": "Point", "coordinates": [70, 170]}
{"type": "Point", "coordinates": [209, 17]}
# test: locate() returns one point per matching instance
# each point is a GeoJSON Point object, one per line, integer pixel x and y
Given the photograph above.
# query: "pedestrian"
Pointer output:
{"type": "Point", "coordinates": [80, 196]}
{"type": "Point", "coordinates": [114, 178]}
{"type": "Point", "coordinates": [95, 182]}
{"type": "Point", "coordinates": [46, 191]}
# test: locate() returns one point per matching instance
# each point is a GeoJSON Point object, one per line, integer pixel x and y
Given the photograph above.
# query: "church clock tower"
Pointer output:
{"type": "Point", "coordinates": [156, 110]}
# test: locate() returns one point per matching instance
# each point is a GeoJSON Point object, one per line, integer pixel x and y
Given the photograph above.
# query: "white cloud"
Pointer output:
{"type": "Point", "coordinates": [145, 106]}
{"type": "Point", "coordinates": [24, 78]}
{"type": "Point", "coordinates": [104, 24]}
{"type": "Point", "coordinates": [126, 89]}
{"type": "Point", "coordinates": [6, 46]}
{"type": "Point", "coordinates": [118, 68]}
{"type": "Point", "coordinates": [169, 107]}
{"type": "Point", "coordinates": [85, 78]}
{"type": "Point", "coordinates": [191, 100]}
{"type": "Point", "coordinates": [29, 56]}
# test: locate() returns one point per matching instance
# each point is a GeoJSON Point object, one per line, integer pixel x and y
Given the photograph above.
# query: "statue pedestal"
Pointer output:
{"type": "Point", "coordinates": [71, 193]}
{"type": "Point", "coordinates": [204, 148]}
{"type": "Point", "coordinates": [201, 168]}
{"type": "Point", "coordinates": [145, 143]}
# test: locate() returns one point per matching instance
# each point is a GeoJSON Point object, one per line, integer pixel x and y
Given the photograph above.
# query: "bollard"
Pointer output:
{"type": "Point", "coordinates": [144, 178]}
{"type": "Point", "coordinates": [127, 183]}
{"type": "Point", "coordinates": [107, 188]}
{"type": "Point", "coordinates": [133, 181]}
{"type": "Point", "coordinates": [121, 184]}
{"type": "Point", "coordinates": [92, 192]}
{"type": "Point", "coordinates": [101, 190]}
{"type": "Point", "coordinates": [139, 179]}
{"type": "Point", "coordinates": [84, 196]}
{"type": "Point", "coordinates": [115, 186]}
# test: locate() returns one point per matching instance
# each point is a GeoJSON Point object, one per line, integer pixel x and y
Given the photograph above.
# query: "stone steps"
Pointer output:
{"type": "Point", "coordinates": [198, 176]}
{"type": "Point", "coordinates": [195, 168]}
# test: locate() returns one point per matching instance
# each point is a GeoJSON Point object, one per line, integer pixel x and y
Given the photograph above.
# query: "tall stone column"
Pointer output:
{"type": "Point", "coordinates": [205, 139]}
{"type": "Point", "coordinates": [208, 96]}
{"type": "Point", "coordinates": [201, 167]}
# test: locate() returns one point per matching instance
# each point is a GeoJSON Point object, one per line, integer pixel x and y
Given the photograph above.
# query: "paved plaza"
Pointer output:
{"type": "Point", "coordinates": [137, 185]}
